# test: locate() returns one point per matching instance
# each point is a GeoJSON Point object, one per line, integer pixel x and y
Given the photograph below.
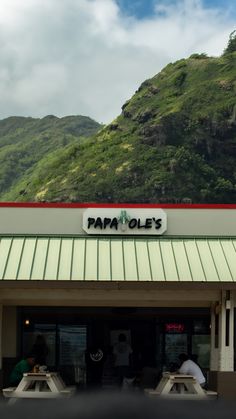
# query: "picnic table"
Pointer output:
{"type": "Point", "coordinates": [179, 386]}
{"type": "Point", "coordinates": [46, 385]}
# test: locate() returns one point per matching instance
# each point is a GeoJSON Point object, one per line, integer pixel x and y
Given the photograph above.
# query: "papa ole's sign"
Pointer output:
{"type": "Point", "coordinates": [130, 221]}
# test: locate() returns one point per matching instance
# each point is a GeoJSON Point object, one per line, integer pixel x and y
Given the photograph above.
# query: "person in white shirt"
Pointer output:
{"type": "Point", "coordinates": [122, 357]}
{"type": "Point", "coordinates": [189, 367]}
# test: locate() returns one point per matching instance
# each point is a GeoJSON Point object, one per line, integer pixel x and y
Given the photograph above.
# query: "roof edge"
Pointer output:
{"type": "Point", "coordinates": [115, 205]}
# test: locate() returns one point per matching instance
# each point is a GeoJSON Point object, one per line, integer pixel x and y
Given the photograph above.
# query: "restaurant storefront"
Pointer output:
{"type": "Point", "coordinates": [158, 335]}
{"type": "Point", "coordinates": [80, 274]}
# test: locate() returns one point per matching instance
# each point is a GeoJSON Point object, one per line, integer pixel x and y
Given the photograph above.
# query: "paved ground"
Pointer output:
{"type": "Point", "coordinates": [117, 406]}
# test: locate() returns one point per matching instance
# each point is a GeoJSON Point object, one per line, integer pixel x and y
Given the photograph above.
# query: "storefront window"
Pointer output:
{"type": "Point", "coordinates": [73, 342]}
{"type": "Point", "coordinates": [201, 346]}
{"type": "Point", "coordinates": [201, 342]}
{"type": "Point", "coordinates": [48, 333]}
{"type": "Point", "coordinates": [201, 327]}
{"type": "Point", "coordinates": [69, 356]}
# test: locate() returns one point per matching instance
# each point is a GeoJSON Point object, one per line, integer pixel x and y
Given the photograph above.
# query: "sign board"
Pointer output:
{"type": "Point", "coordinates": [174, 327]}
{"type": "Point", "coordinates": [131, 221]}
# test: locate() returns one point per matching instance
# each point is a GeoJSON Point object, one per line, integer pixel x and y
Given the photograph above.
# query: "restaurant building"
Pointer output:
{"type": "Point", "coordinates": [79, 274]}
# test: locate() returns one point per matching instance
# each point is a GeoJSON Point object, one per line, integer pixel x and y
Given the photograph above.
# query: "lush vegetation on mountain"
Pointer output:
{"type": "Point", "coordinates": [175, 141]}
{"type": "Point", "coordinates": [25, 142]}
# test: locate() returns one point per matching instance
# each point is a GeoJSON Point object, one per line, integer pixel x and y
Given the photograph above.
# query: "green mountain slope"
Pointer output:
{"type": "Point", "coordinates": [25, 141]}
{"type": "Point", "coordinates": [175, 141]}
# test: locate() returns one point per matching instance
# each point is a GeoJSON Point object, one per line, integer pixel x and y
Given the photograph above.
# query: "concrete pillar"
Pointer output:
{"type": "Point", "coordinates": [222, 377]}
{"type": "Point", "coordinates": [222, 333]}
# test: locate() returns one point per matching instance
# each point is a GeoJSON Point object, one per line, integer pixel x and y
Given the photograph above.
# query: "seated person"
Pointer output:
{"type": "Point", "coordinates": [189, 367]}
{"type": "Point", "coordinates": [23, 366]}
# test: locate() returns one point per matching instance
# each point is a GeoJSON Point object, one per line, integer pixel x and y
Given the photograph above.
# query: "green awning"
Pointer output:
{"type": "Point", "coordinates": [117, 259]}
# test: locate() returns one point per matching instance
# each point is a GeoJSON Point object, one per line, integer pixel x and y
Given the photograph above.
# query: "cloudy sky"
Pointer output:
{"type": "Point", "coordinates": [87, 57]}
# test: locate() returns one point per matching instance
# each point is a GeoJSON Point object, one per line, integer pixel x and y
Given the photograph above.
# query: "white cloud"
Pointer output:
{"type": "Point", "coordinates": [84, 57]}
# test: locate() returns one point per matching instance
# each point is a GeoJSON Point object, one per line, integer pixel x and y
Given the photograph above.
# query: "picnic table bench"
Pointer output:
{"type": "Point", "coordinates": [46, 385]}
{"type": "Point", "coordinates": [180, 386]}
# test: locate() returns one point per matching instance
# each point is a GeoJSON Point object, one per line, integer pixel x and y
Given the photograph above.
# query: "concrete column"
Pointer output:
{"type": "Point", "coordinates": [222, 333]}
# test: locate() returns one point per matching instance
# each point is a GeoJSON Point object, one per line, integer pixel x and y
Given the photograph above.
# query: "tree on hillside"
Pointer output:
{"type": "Point", "coordinates": [231, 47]}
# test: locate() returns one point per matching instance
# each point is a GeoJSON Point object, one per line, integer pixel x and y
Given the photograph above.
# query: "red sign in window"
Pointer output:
{"type": "Point", "coordinates": [174, 327]}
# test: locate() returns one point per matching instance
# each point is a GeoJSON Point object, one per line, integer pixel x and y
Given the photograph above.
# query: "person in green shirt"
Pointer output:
{"type": "Point", "coordinates": [23, 366]}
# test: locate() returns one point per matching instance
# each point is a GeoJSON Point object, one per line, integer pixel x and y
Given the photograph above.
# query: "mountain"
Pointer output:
{"type": "Point", "coordinates": [175, 141]}
{"type": "Point", "coordinates": [26, 142]}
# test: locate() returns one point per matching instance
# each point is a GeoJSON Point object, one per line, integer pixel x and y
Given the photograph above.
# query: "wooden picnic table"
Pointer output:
{"type": "Point", "coordinates": [39, 385]}
{"type": "Point", "coordinates": [179, 386]}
